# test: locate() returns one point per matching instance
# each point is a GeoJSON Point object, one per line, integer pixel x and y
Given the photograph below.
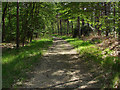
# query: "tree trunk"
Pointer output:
{"type": "Point", "coordinates": [52, 28]}
{"type": "Point", "coordinates": [82, 26]}
{"type": "Point", "coordinates": [106, 17]}
{"type": "Point", "coordinates": [33, 24]}
{"type": "Point", "coordinates": [107, 12]}
{"type": "Point", "coordinates": [114, 21]}
{"type": "Point", "coordinates": [25, 23]}
{"type": "Point", "coordinates": [17, 32]}
{"type": "Point", "coordinates": [72, 28]}
{"type": "Point", "coordinates": [3, 21]}
{"type": "Point", "coordinates": [60, 27]}
{"type": "Point", "coordinates": [83, 22]}
{"type": "Point", "coordinates": [67, 27]}
{"type": "Point", "coordinates": [83, 19]}
{"type": "Point", "coordinates": [23, 32]}
{"type": "Point", "coordinates": [98, 26]}
{"type": "Point", "coordinates": [99, 31]}
{"type": "Point", "coordinates": [79, 32]}
{"type": "Point", "coordinates": [36, 35]}
{"type": "Point", "coordinates": [95, 20]}
{"type": "Point", "coordinates": [10, 22]}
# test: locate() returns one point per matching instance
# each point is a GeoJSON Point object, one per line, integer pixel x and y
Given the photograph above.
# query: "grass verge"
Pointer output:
{"type": "Point", "coordinates": [89, 51]}
{"type": "Point", "coordinates": [15, 63]}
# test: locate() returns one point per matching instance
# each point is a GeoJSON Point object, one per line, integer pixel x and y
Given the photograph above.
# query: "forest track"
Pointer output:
{"type": "Point", "coordinates": [62, 67]}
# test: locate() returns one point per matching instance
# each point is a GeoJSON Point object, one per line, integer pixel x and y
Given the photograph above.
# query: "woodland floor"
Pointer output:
{"type": "Point", "coordinates": [62, 67]}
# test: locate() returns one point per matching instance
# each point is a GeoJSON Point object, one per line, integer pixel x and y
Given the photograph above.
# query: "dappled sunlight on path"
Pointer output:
{"type": "Point", "coordinates": [62, 67]}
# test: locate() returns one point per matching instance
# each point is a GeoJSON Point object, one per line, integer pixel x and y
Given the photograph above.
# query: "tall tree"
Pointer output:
{"type": "Point", "coordinates": [72, 27]}
{"type": "Point", "coordinates": [67, 27]}
{"type": "Point", "coordinates": [98, 15]}
{"type": "Point", "coordinates": [60, 27]}
{"type": "Point", "coordinates": [114, 12]}
{"type": "Point", "coordinates": [3, 21]}
{"type": "Point", "coordinates": [78, 21]}
{"type": "Point", "coordinates": [32, 14]}
{"type": "Point", "coordinates": [57, 23]}
{"type": "Point", "coordinates": [17, 31]}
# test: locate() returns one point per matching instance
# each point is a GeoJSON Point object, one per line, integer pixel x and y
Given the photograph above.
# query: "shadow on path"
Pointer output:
{"type": "Point", "coordinates": [62, 67]}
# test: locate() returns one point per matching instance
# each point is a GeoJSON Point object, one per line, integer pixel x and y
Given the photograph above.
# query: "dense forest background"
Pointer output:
{"type": "Point", "coordinates": [23, 22]}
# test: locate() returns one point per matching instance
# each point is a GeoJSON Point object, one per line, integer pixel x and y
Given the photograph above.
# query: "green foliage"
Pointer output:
{"type": "Point", "coordinates": [65, 37]}
{"type": "Point", "coordinates": [42, 19]}
{"type": "Point", "coordinates": [16, 63]}
{"type": "Point", "coordinates": [55, 35]}
{"type": "Point", "coordinates": [33, 18]}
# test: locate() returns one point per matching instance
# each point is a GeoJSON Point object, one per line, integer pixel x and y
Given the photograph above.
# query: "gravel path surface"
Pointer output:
{"type": "Point", "coordinates": [61, 67]}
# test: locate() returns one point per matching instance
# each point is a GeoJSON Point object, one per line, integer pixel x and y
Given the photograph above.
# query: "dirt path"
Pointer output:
{"type": "Point", "coordinates": [61, 67]}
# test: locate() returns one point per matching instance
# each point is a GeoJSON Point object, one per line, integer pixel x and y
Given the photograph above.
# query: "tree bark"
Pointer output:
{"type": "Point", "coordinates": [24, 26]}
{"type": "Point", "coordinates": [107, 12]}
{"type": "Point", "coordinates": [60, 27]}
{"type": "Point", "coordinates": [99, 31]}
{"type": "Point", "coordinates": [3, 21]}
{"type": "Point", "coordinates": [83, 22]}
{"type": "Point", "coordinates": [98, 26]}
{"type": "Point", "coordinates": [23, 32]}
{"type": "Point", "coordinates": [72, 28]}
{"type": "Point", "coordinates": [32, 23]}
{"type": "Point", "coordinates": [105, 5]}
{"type": "Point", "coordinates": [17, 32]}
{"type": "Point", "coordinates": [52, 28]}
{"type": "Point", "coordinates": [82, 26]}
{"type": "Point", "coordinates": [79, 32]}
{"type": "Point", "coordinates": [67, 27]}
